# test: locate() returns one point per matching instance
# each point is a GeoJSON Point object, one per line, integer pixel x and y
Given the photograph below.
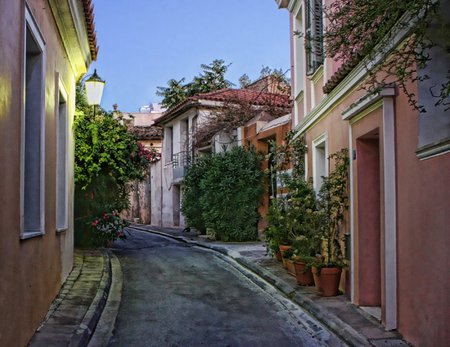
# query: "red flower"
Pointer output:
{"type": "Point", "coordinates": [94, 223]}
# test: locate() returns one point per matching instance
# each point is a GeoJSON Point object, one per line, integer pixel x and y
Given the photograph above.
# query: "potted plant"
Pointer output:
{"type": "Point", "coordinates": [288, 261]}
{"type": "Point", "coordinates": [276, 234]}
{"type": "Point", "coordinates": [304, 249]}
{"type": "Point", "coordinates": [333, 204]}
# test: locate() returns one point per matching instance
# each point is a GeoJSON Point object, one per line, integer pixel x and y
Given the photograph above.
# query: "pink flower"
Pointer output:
{"type": "Point", "coordinates": [94, 223]}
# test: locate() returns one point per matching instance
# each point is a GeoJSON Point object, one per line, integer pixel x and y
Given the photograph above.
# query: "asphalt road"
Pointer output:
{"type": "Point", "coordinates": [177, 295]}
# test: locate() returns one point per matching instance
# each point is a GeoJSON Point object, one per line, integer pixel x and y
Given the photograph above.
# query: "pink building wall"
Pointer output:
{"type": "Point", "coordinates": [423, 216]}
{"type": "Point", "coordinates": [422, 212]}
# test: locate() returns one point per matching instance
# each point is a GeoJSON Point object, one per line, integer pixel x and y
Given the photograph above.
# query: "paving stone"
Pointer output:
{"type": "Point", "coordinates": [389, 343]}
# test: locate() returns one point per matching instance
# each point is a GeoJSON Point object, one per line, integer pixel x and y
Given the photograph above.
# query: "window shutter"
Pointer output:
{"type": "Point", "coordinates": [309, 36]}
{"type": "Point", "coordinates": [318, 33]}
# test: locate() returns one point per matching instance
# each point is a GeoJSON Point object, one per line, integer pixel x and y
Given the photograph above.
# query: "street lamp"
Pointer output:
{"type": "Point", "coordinates": [94, 89]}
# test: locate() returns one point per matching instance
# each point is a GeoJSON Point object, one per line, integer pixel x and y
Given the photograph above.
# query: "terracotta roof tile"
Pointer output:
{"type": "Point", "coordinates": [256, 98]}
{"type": "Point", "coordinates": [88, 8]}
{"type": "Point", "coordinates": [341, 73]}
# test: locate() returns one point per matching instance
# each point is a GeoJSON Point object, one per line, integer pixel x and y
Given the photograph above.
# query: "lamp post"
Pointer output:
{"type": "Point", "coordinates": [94, 89]}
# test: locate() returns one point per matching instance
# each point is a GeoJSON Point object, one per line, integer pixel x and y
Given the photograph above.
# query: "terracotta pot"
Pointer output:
{"type": "Point", "coordinates": [304, 277]}
{"type": "Point", "coordinates": [278, 256]}
{"type": "Point", "coordinates": [316, 278]}
{"type": "Point", "coordinates": [282, 249]}
{"type": "Point", "coordinates": [328, 280]}
{"type": "Point", "coordinates": [290, 267]}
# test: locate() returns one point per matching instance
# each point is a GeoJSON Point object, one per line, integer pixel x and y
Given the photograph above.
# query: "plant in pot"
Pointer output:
{"type": "Point", "coordinates": [288, 260]}
{"type": "Point", "coordinates": [303, 259]}
{"type": "Point", "coordinates": [333, 204]}
{"type": "Point", "coordinates": [301, 212]}
{"type": "Point", "coordinates": [276, 234]}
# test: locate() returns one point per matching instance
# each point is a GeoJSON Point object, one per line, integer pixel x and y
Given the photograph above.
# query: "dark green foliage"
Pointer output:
{"type": "Point", "coordinates": [227, 188]}
{"type": "Point", "coordinates": [212, 78]}
{"type": "Point", "coordinates": [293, 218]}
{"type": "Point", "coordinates": [107, 157]}
{"type": "Point", "coordinates": [333, 204]}
{"type": "Point", "coordinates": [191, 207]}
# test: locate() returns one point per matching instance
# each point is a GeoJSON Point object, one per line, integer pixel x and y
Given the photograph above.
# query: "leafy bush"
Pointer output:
{"type": "Point", "coordinates": [293, 218]}
{"type": "Point", "coordinates": [107, 228]}
{"type": "Point", "coordinates": [107, 157]}
{"type": "Point", "coordinates": [222, 193]}
{"type": "Point", "coordinates": [191, 207]}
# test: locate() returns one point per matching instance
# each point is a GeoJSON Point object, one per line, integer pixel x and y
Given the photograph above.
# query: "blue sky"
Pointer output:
{"type": "Point", "coordinates": [144, 43]}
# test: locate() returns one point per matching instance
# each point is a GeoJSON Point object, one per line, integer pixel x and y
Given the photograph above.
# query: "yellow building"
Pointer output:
{"type": "Point", "coordinates": [45, 47]}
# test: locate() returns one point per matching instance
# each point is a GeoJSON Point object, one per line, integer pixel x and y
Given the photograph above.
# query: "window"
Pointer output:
{"type": "Point", "coordinates": [299, 44]}
{"type": "Point", "coordinates": [313, 35]}
{"type": "Point", "coordinates": [320, 161]}
{"type": "Point", "coordinates": [61, 160]}
{"type": "Point", "coordinates": [33, 146]}
{"type": "Point", "coordinates": [434, 125]}
{"type": "Point", "coordinates": [168, 139]}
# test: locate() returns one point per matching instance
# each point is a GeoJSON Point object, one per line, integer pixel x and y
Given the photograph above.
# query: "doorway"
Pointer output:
{"type": "Point", "coordinates": [369, 222]}
{"type": "Point", "coordinates": [176, 204]}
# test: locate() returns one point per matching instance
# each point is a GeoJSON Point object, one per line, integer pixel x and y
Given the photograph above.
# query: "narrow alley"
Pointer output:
{"type": "Point", "coordinates": [175, 294]}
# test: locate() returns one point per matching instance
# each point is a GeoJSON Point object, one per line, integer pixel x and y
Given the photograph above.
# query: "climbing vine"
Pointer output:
{"type": "Point", "coordinates": [360, 30]}
{"type": "Point", "coordinates": [333, 204]}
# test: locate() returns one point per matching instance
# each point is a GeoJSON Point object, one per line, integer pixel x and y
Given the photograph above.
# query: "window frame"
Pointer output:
{"type": "Point", "coordinates": [62, 202]}
{"type": "Point", "coordinates": [30, 26]}
{"type": "Point", "coordinates": [317, 142]}
{"type": "Point", "coordinates": [314, 56]}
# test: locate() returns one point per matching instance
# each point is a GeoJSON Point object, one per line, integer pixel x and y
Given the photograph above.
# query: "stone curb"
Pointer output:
{"type": "Point", "coordinates": [105, 326]}
{"type": "Point", "coordinates": [332, 322]}
{"type": "Point", "coordinates": [84, 332]}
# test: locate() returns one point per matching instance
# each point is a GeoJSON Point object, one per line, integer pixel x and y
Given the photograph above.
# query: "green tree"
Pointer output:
{"type": "Point", "coordinates": [210, 79]}
{"type": "Point", "coordinates": [107, 157]}
{"type": "Point", "coordinates": [244, 81]}
{"type": "Point", "coordinates": [175, 93]}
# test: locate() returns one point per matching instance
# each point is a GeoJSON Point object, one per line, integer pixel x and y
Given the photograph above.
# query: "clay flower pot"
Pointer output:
{"type": "Point", "coordinates": [290, 267]}
{"type": "Point", "coordinates": [304, 277]}
{"type": "Point", "coordinates": [282, 249]}
{"type": "Point", "coordinates": [327, 282]}
{"type": "Point", "coordinates": [278, 256]}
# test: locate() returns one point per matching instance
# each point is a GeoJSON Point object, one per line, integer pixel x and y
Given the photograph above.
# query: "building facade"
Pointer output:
{"type": "Point", "coordinates": [45, 47]}
{"type": "Point", "coordinates": [399, 182]}
{"type": "Point", "coordinates": [182, 124]}
{"type": "Point", "coordinates": [141, 125]}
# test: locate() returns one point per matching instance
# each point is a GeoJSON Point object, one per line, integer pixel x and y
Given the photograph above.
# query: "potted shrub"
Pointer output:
{"type": "Point", "coordinates": [276, 234]}
{"type": "Point", "coordinates": [333, 204]}
{"type": "Point", "coordinates": [304, 249]}
{"type": "Point", "coordinates": [288, 254]}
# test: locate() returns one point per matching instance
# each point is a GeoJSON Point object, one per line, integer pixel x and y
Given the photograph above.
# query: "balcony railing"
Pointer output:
{"type": "Point", "coordinates": [180, 162]}
{"type": "Point", "coordinates": [181, 159]}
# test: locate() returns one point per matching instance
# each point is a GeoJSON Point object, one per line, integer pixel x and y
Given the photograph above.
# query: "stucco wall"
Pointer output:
{"type": "Point", "coordinates": [156, 193]}
{"type": "Point", "coordinates": [31, 270]}
{"type": "Point", "coordinates": [423, 191]}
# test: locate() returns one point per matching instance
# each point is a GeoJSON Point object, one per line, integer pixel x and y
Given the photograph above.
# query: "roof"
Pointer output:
{"type": "Point", "coordinates": [146, 132]}
{"type": "Point", "coordinates": [276, 122]}
{"type": "Point", "coordinates": [341, 73]}
{"type": "Point", "coordinates": [254, 97]}
{"type": "Point", "coordinates": [89, 16]}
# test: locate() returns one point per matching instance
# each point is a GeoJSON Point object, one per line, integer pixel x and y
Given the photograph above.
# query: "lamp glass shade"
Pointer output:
{"type": "Point", "coordinates": [94, 89]}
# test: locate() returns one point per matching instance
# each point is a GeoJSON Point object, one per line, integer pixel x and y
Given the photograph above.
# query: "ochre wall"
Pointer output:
{"type": "Point", "coordinates": [31, 270]}
{"type": "Point", "coordinates": [260, 141]}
